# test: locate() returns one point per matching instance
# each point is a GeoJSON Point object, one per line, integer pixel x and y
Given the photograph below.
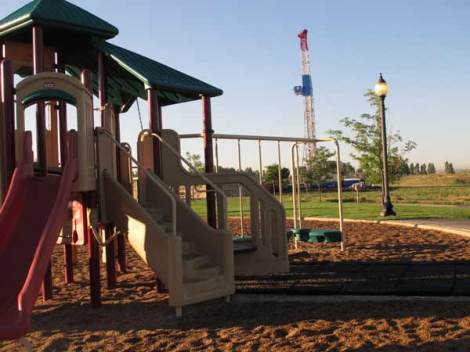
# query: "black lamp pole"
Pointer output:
{"type": "Point", "coordinates": [381, 90]}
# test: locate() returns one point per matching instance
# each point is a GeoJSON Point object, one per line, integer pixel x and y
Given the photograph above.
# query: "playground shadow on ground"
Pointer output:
{"type": "Point", "coordinates": [424, 278]}
{"type": "Point", "coordinates": [219, 315]}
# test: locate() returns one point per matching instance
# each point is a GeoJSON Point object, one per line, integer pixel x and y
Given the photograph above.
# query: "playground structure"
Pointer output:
{"type": "Point", "coordinates": [91, 170]}
{"type": "Point", "coordinates": [79, 190]}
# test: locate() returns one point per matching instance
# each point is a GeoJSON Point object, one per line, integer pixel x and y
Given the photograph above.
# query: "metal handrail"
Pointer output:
{"type": "Point", "coordinates": [154, 178]}
{"type": "Point", "coordinates": [296, 141]}
{"type": "Point", "coordinates": [215, 188]}
{"type": "Point", "coordinates": [256, 138]}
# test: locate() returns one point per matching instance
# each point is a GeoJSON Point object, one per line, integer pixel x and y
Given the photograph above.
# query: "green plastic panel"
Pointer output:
{"type": "Point", "coordinates": [315, 236]}
{"type": "Point", "coordinates": [48, 94]}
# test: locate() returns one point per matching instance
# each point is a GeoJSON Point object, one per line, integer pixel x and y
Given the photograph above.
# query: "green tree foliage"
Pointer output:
{"type": "Point", "coordinates": [319, 168]}
{"type": "Point", "coordinates": [347, 170]}
{"type": "Point", "coordinates": [253, 173]}
{"type": "Point", "coordinates": [431, 169]}
{"type": "Point", "coordinates": [271, 173]}
{"type": "Point", "coordinates": [195, 161]}
{"type": "Point", "coordinates": [412, 169]}
{"type": "Point", "coordinates": [229, 170]}
{"type": "Point", "coordinates": [449, 168]}
{"type": "Point", "coordinates": [423, 170]}
{"type": "Point", "coordinates": [364, 136]}
{"type": "Point", "coordinates": [404, 167]}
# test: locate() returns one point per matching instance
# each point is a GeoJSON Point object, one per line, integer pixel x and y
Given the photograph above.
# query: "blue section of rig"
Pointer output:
{"type": "Point", "coordinates": [307, 85]}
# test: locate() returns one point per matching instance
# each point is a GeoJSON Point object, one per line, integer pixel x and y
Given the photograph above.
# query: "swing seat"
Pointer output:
{"type": "Point", "coordinates": [315, 236]}
{"type": "Point", "coordinates": [299, 234]}
{"type": "Point", "coordinates": [327, 236]}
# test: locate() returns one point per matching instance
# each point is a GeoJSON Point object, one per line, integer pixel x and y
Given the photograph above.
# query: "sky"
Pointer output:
{"type": "Point", "coordinates": [250, 50]}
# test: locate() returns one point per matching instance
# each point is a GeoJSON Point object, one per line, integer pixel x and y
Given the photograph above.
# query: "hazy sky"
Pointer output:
{"type": "Point", "coordinates": [250, 50]}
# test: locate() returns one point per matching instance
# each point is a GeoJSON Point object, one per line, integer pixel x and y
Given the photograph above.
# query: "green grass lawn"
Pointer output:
{"type": "Point", "coordinates": [410, 203]}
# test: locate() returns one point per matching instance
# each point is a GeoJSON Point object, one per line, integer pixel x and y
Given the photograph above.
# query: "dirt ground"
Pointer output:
{"type": "Point", "coordinates": [135, 318]}
{"type": "Point", "coordinates": [383, 243]}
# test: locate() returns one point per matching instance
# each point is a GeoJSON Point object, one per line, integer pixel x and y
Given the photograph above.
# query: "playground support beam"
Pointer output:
{"type": "Point", "coordinates": [208, 133]}
{"type": "Point", "coordinates": [8, 112]}
{"type": "Point", "coordinates": [90, 201]}
{"type": "Point", "coordinates": [38, 67]}
{"type": "Point", "coordinates": [103, 97]}
{"type": "Point", "coordinates": [121, 243]}
{"type": "Point", "coordinates": [52, 134]}
{"type": "Point", "coordinates": [3, 188]}
{"type": "Point", "coordinates": [155, 125]}
{"type": "Point", "coordinates": [62, 110]}
{"type": "Point", "coordinates": [102, 87]}
{"type": "Point", "coordinates": [110, 257]}
{"type": "Point", "coordinates": [41, 135]}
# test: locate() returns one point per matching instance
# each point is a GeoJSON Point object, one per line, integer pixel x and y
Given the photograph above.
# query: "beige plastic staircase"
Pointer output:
{"type": "Point", "coordinates": [192, 259]}
{"type": "Point", "coordinates": [264, 251]}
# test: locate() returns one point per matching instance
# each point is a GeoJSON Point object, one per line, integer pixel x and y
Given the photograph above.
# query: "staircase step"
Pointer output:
{"type": "Point", "coordinates": [195, 286]}
{"type": "Point", "coordinates": [167, 226]}
{"type": "Point", "coordinates": [188, 248]}
{"type": "Point", "coordinates": [194, 261]}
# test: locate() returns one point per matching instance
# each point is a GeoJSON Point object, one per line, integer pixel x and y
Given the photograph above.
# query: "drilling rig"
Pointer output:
{"type": "Point", "coordinates": [306, 91]}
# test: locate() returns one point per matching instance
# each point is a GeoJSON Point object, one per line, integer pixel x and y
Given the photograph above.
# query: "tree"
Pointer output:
{"type": "Point", "coordinates": [364, 136]}
{"type": "Point", "coordinates": [404, 167]}
{"type": "Point", "coordinates": [346, 169]}
{"type": "Point", "coordinates": [449, 168]}
{"type": "Point", "coordinates": [253, 173]}
{"type": "Point", "coordinates": [417, 169]}
{"type": "Point", "coordinates": [431, 169]}
{"type": "Point", "coordinates": [412, 169]}
{"type": "Point", "coordinates": [423, 170]}
{"type": "Point", "coordinates": [195, 161]}
{"type": "Point", "coordinates": [271, 174]}
{"type": "Point", "coordinates": [319, 167]}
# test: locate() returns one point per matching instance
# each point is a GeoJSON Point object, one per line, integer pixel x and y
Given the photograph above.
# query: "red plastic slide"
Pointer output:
{"type": "Point", "coordinates": [31, 217]}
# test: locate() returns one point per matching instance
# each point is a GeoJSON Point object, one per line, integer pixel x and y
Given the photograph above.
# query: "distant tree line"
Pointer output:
{"type": "Point", "coordinates": [419, 169]}
{"type": "Point", "coordinates": [425, 169]}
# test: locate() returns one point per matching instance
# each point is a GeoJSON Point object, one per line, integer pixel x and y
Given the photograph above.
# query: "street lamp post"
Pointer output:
{"type": "Point", "coordinates": [381, 90]}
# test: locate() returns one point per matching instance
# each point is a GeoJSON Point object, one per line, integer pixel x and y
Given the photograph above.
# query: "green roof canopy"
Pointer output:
{"type": "Point", "coordinates": [57, 14]}
{"type": "Point", "coordinates": [130, 74]}
{"type": "Point", "coordinates": [180, 86]}
{"type": "Point", "coordinates": [79, 36]}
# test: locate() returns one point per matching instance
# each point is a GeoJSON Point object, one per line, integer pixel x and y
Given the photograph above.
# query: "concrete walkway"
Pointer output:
{"type": "Point", "coordinates": [458, 227]}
